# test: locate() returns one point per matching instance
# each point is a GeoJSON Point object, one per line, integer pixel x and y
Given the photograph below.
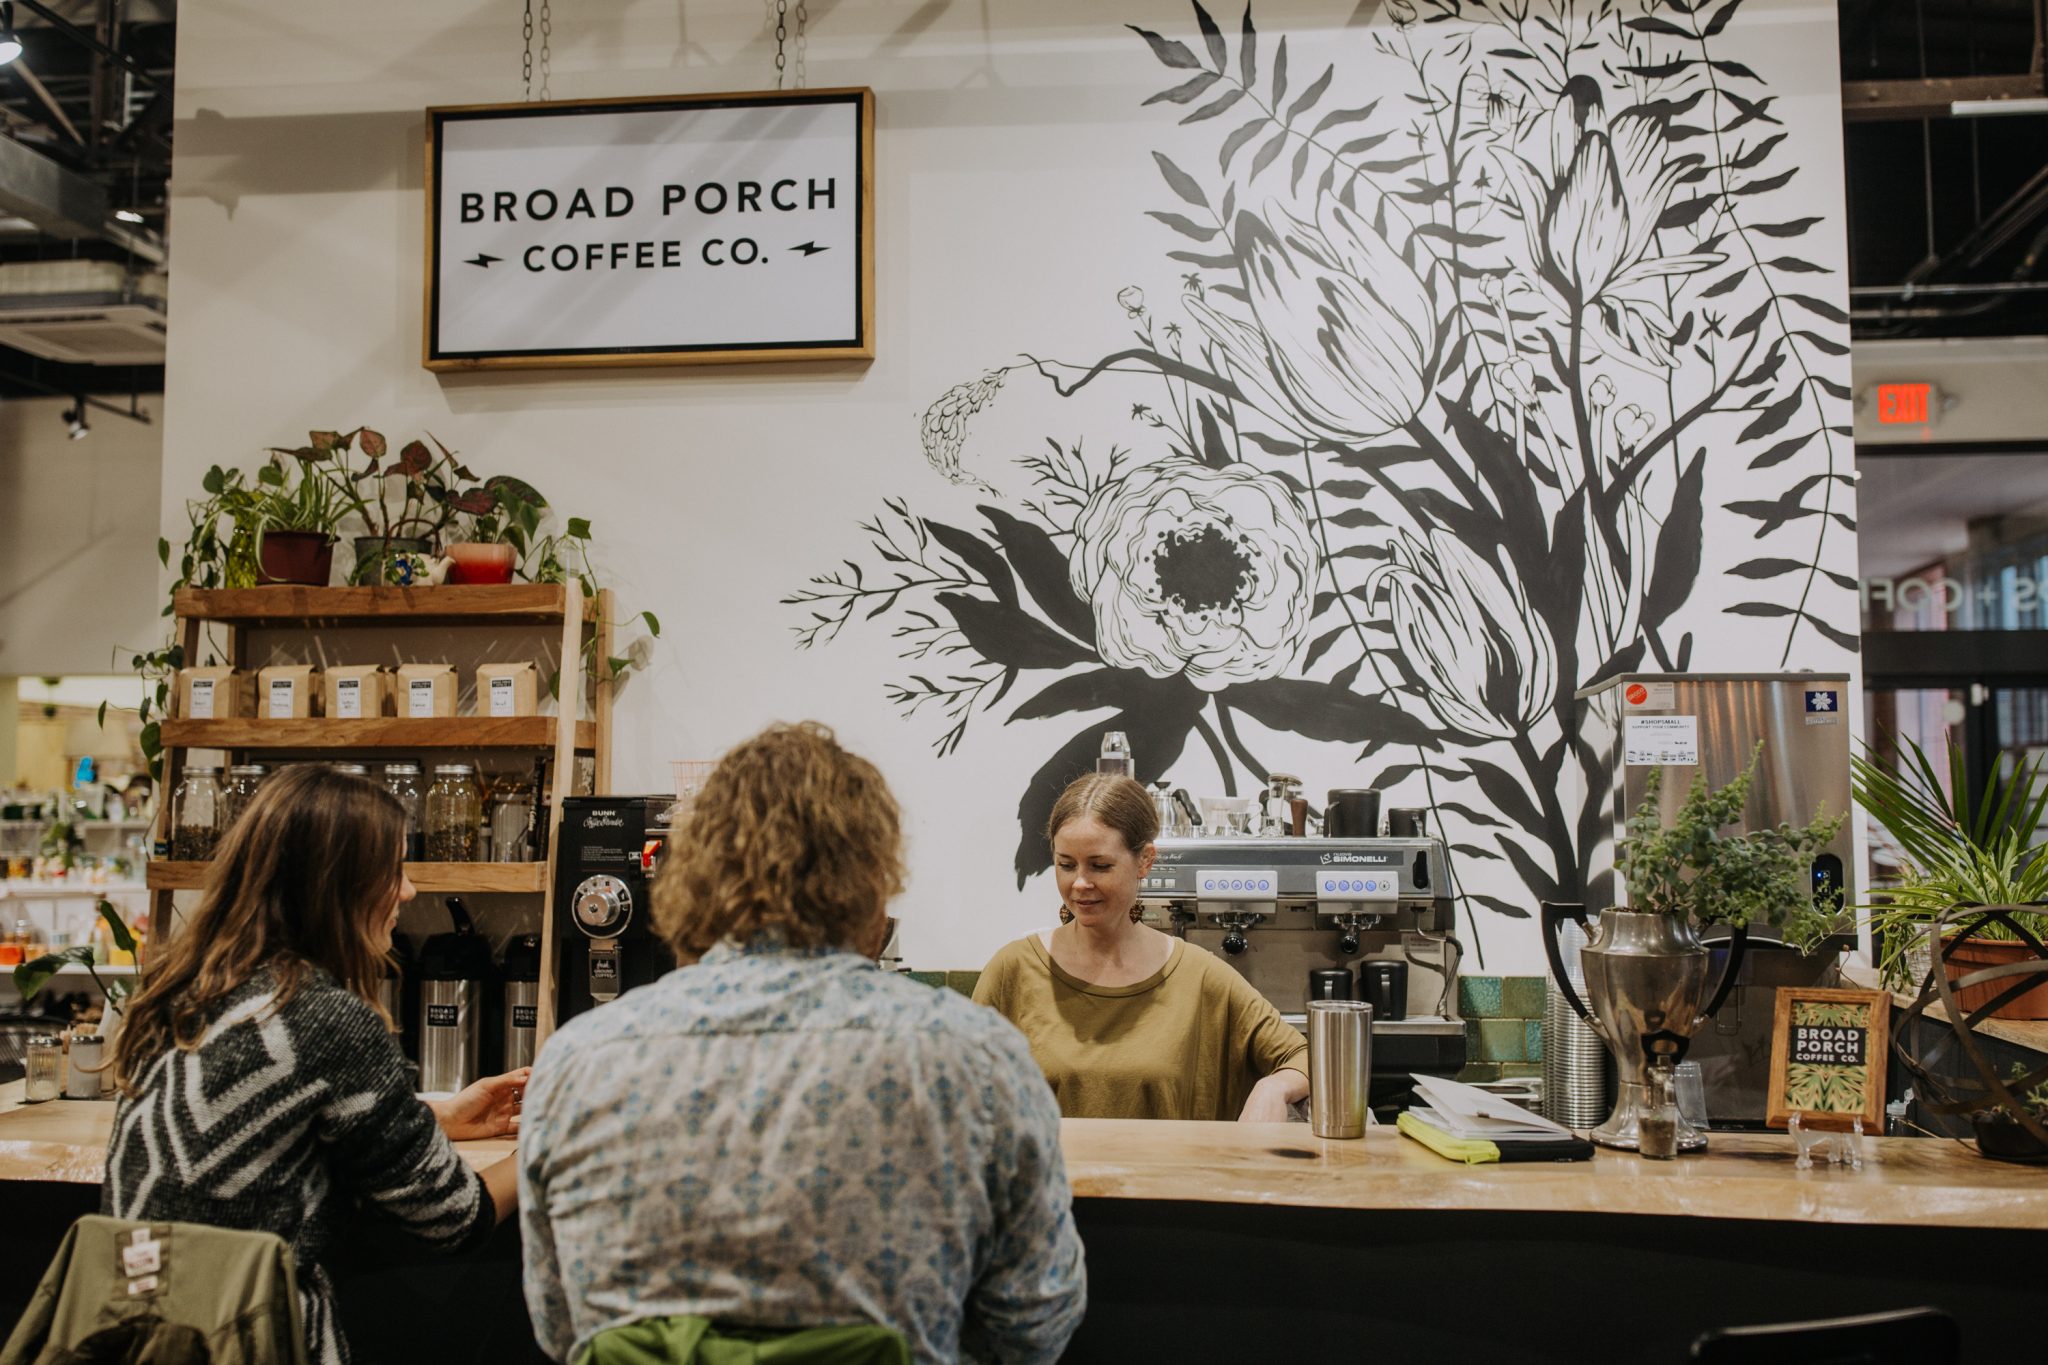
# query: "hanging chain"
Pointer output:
{"type": "Point", "coordinates": [802, 44]}
{"type": "Point", "coordinates": [526, 58]}
{"type": "Point", "coordinates": [547, 28]}
{"type": "Point", "coordinates": [781, 37]}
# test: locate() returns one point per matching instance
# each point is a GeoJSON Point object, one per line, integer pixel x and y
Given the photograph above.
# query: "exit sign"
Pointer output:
{"type": "Point", "coordinates": [1906, 404]}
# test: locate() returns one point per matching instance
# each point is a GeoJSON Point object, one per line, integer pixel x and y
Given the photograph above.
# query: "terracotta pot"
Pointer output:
{"type": "Point", "coordinates": [481, 562]}
{"type": "Point", "coordinates": [1974, 954]}
{"type": "Point", "coordinates": [295, 557]}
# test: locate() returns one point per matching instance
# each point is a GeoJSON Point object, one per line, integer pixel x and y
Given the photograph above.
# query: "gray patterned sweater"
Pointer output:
{"type": "Point", "coordinates": [284, 1120]}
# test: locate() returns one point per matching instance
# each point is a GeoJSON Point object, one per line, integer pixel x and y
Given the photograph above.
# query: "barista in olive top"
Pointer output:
{"type": "Point", "coordinates": [1127, 1022]}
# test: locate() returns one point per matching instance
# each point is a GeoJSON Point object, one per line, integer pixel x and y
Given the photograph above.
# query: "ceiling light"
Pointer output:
{"type": "Point", "coordinates": [74, 419]}
{"type": "Point", "coordinates": [10, 45]}
{"type": "Point", "coordinates": [128, 215]}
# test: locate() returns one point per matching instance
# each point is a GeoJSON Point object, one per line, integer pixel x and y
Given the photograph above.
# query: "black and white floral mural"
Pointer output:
{"type": "Point", "coordinates": [1433, 405]}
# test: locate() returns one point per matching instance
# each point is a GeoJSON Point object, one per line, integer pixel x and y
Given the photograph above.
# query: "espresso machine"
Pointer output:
{"type": "Point", "coordinates": [606, 854]}
{"type": "Point", "coordinates": [1290, 913]}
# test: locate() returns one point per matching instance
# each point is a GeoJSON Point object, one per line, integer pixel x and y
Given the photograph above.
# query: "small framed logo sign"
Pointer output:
{"type": "Point", "coordinates": [1829, 1050]}
{"type": "Point", "coordinates": [651, 231]}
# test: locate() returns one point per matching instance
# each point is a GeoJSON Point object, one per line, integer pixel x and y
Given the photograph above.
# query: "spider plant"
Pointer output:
{"type": "Point", "coordinates": [1960, 848]}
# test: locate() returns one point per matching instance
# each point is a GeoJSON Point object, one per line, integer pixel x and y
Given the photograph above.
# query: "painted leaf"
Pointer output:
{"type": "Point", "coordinates": [1186, 92]}
{"type": "Point", "coordinates": [1180, 182]}
{"type": "Point", "coordinates": [978, 555]}
{"type": "Point", "coordinates": [1168, 51]}
{"type": "Point", "coordinates": [1216, 106]}
{"type": "Point", "coordinates": [1042, 569]}
{"type": "Point", "coordinates": [1213, 36]}
{"type": "Point", "coordinates": [1321, 711]}
{"type": "Point", "coordinates": [1002, 634]}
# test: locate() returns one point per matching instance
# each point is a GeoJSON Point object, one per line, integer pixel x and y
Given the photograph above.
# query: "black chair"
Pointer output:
{"type": "Point", "coordinates": [1912, 1336]}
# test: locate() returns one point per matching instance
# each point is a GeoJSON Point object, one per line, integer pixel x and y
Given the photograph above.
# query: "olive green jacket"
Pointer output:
{"type": "Point", "coordinates": [162, 1294]}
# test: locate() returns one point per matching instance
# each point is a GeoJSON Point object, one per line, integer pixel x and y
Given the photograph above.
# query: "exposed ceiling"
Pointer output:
{"type": "Point", "coordinates": [1916, 510]}
{"type": "Point", "coordinates": [88, 108]}
{"type": "Point", "coordinates": [1948, 214]}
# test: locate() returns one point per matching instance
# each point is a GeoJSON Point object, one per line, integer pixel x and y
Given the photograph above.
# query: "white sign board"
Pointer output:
{"type": "Point", "coordinates": [677, 230]}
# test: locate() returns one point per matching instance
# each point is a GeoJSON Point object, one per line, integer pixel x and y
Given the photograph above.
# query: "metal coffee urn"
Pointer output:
{"type": "Point", "coordinates": [521, 972]}
{"type": "Point", "coordinates": [453, 968]}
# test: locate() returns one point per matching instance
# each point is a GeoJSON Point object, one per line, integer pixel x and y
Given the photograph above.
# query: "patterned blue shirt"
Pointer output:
{"type": "Point", "coordinates": [785, 1138]}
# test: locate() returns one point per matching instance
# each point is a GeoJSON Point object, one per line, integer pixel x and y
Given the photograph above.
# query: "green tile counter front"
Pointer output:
{"type": "Point", "coordinates": [1503, 1026]}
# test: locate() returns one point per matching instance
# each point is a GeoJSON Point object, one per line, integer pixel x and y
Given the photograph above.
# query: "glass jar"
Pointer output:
{"type": "Point", "coordinates": [353, 769]}
{"type": "Point", "coordinates": [196, 815]}
{"type": "Point", "coordinates": [454, 814]}
{"type": "Point", "coordinates": [45, 1080]}
{"type": "Point", "coordinates": [402, 780]}
{"type": "Point", "coordinates": [239, 790]}
{"type": "Point", "coordinates": [511, 823]}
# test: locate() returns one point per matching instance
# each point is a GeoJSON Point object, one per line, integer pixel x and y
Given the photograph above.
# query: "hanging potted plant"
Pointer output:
{"type": "Point", "coordinates": [1645, 968]}
{"type": "Point", "coordinates": [1958, 851]}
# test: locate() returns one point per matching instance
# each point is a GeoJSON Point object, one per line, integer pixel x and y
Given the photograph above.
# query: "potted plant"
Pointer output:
{"type": "Point", "coordinates": [495, 524]}
{"type": "Point", "coordinates": [404, 505]}
{"type": "Point", "coordinates": [31, 977]}
{"type": "Point", "coordinates": [1958, 850]}
{"type": "Point", "coordinates": [2016, 1131]}
{"type": "Point", "coordinates": [1644, 965]}
{"type": "Point", "coordinates": [301, 503]}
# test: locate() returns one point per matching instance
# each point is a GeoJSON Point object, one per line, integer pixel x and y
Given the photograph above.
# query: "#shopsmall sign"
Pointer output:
{"type": "Point", "coordinates": [651, 231]}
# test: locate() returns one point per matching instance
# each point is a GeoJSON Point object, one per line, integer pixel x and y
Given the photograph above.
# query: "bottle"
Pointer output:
{"type": "Point", "coordinates": [195, 815]}
{"type": "Point", "coordinates": [1115, 758]}
{"type": "Point", "coordinates": [45, 1079]}
{"type": "Point", "coordinates": [454, 814]}
{"type": "Point", "coordinates": [402, 780]}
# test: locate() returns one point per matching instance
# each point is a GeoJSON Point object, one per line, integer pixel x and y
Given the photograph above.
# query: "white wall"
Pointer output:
{"type": "Point", "coordinates": [1015, 167]}
{"type": "Point", "coordinates": [78, 530]}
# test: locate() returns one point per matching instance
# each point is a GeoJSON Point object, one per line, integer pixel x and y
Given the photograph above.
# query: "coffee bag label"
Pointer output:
{"type": "Point", "coordinates": [283, 693]}
{"type": "Point", "coordinates": [501, 697]}
{"type": "Point", "coordinates": [419, 697]}
{"type": "Point", "coordinates": [348, 698]}
{"type": "Point", "coordinates": [201, 707]}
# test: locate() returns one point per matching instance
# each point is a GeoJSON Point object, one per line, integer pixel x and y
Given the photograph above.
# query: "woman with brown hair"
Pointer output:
{"type": "Point", "coordinates": [259, 1083]}
{"type": "Point", "coordinates": [1125, 1021]}
{"type": "Point", "coordinates": [779, 1135]}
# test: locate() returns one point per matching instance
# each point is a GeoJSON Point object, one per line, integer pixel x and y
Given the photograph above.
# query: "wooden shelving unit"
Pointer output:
{"type": "Point", "coordinates": [445, 878]}
{"type": "Point", "coordinates": [519, 606]}
{"type": "Point", "coordinates": [386, 732]}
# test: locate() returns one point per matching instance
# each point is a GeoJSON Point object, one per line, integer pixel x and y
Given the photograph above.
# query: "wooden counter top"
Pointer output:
{"type": "Point", "coordinates": [66, 1140]}
{"type": "Point", "coordinates": [1922, 1181]}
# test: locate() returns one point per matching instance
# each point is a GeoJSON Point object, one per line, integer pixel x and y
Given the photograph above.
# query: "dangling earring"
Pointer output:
{"type": "Point", "coordinates": [1066, 915]}
{"type": "Point", "coordinates": [1136, 914]}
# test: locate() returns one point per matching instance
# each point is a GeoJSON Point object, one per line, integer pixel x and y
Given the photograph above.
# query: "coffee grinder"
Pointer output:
{"type": "Point", "coordinates": [606, 853]}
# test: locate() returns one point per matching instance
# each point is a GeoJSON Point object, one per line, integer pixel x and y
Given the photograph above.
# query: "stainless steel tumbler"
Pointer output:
{"type": "Point", "coordinates": [1339, 1067]}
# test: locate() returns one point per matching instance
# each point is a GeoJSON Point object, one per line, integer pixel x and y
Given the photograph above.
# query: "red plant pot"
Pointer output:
{"type": "Point", "coordinates": [481, 562]}
{"type": "Point", "coordinates": [305, 557]}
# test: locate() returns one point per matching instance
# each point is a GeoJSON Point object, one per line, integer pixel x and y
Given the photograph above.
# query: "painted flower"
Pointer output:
{"type": "Point", "coordinates": [1591, 216]}
{"type": "Point", "coordinates": [1132, 300]}
{"type": "Point", "coordinates": [1633, 426]}
{"type": "Point", "coordinates": [1195, 570]}
{"type": "Point", "coordinates": [944, 428]}
{"type": "Point", "coordinates": [1344, 332]}
{"type": "Point", "coordinates": [1467, 628]}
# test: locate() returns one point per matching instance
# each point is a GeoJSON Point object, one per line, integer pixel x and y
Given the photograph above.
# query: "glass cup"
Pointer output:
{"type": "Point", "coordinates": [1690, 1087]}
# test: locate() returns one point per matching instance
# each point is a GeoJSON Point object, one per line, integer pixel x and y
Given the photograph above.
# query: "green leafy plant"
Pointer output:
{"type": "Point", "coordinates": [1695, 867]}
{"type": "Point", "coordinates": [307, 490]}
{"type": "Point", "coordinates": [502, 510]}
{"type": "Point", "coordinates": [31, 977]}
{"type": "Point", "coordinates": [1958, 848]}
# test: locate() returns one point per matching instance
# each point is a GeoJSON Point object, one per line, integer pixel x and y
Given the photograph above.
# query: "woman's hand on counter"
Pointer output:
{"type": "Point", "coordinates": [1270, 1099]}
{"type": "Point", "coordinates": [489, 1108]}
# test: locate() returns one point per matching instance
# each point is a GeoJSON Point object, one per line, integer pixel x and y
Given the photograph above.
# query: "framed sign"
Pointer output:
{"type": "Point", "coordinates": [651, 231]}
{"type": "Point", "coordinates": [1828, 1058]}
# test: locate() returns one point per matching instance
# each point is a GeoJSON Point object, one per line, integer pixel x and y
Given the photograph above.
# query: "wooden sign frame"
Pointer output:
{"type": "Point", "coordinates": [860, 346]}
{"type": "Point", "coordinates": [1869, 1011]}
